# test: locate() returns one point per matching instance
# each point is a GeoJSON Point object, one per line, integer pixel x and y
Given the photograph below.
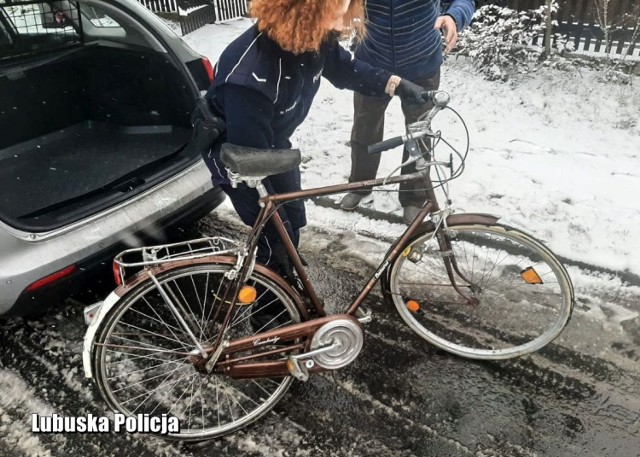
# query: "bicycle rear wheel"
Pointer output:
{"type": "Point", "coordinates": [523, 295]}
{"type": "Point", "coordinates": [142, 357]}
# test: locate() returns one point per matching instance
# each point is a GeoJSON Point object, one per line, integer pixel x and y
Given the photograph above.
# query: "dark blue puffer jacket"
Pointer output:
{"type": "Point", "coordinates": [401, 38]}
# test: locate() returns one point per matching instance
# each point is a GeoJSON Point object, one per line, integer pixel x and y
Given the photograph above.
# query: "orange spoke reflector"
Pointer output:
{"type": "Point", "coordinates": [247, 295]}
{"type": "Point", "coordinates": [530, 276]}
{"type": "Point", "coordinates": [413, 306]}
{"type": "Point", "coordinates": [406, 251]}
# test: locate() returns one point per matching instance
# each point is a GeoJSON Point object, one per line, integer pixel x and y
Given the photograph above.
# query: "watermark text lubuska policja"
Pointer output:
{"type": "Point", "coordinates": [140, 423]}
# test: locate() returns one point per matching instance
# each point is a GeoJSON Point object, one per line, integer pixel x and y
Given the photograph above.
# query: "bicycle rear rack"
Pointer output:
{"type": "Point", "coordinates": [149, 256]}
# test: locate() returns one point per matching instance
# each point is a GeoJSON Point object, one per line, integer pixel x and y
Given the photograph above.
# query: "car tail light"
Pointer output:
{"type": "Point", "coordinates": [51, 278]}
{"type": "Point", "coordinates": [208, 68]}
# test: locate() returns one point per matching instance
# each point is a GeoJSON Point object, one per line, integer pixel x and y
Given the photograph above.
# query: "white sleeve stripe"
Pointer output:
{"type": "Point", "coordinates": [279, 78]}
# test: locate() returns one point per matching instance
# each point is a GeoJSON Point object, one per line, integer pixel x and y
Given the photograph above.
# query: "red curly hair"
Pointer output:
{"type": "Point", "coordinates": [301, 25]}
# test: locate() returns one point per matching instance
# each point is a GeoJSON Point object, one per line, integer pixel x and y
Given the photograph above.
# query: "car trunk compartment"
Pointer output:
{"type": "Point", "coordinates": [46, 173]}
{"type": "Point", "coordinates": [86, 131]}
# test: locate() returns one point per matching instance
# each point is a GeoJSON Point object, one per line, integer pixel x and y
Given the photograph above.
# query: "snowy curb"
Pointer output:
{"type": "Point", "coordinates": [367, 212]}
{"type": "Point", "coordinates": [624, 276]}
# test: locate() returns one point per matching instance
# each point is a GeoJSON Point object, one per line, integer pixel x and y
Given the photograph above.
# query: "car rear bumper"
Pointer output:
{"type": "Point", "coordinates": [91, 246]}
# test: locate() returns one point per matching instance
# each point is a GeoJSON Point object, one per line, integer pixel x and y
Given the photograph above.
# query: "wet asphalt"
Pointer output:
{"type": "Point", "coordinates": [401, 397]}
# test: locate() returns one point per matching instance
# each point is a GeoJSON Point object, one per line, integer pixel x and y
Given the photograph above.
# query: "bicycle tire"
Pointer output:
{"type": "Point", "coordinates": [514, 316]}
{"type": "Point", "coordinates": [140, 351]}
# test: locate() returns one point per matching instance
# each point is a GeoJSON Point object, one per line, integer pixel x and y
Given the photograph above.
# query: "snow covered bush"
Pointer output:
{"type": "Point", "coordinates": [500, 40]}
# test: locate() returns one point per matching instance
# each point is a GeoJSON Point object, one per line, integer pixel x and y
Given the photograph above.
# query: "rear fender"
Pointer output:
{"type": "Point", "coordinates": [104, 309]}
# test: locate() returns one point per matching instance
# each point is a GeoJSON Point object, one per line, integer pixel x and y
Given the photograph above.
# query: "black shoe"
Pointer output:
{"type": "Point", "coordinates": [351, 201]}
{"type": "Point", "coordinates": [409, 214]}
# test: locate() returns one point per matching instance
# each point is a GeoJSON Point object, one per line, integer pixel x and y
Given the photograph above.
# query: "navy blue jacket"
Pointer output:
{"type": "Point", "coordinates": [401, 38]}
{"type": "Point", "coordinates": [264, 93]}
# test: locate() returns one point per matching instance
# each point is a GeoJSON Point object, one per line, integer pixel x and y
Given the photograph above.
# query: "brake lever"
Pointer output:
{"type": "Point", "coordinates": [412, 146]}
{"type": "Point", "coordinates": [408, 162]}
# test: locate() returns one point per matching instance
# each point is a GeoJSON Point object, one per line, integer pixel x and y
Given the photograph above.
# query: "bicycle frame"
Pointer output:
{"type": "Point", "coordinates": [222, 355]}
{"type": "Point", "coordinates": [269, 211]}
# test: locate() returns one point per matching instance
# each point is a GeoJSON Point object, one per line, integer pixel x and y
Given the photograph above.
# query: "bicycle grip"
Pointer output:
{"type": "Point", "coordinates": [386, 144]}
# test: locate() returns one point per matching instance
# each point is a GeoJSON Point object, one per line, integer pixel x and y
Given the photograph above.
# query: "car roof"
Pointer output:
{"type": "Point", "coordinates": [160, 35]}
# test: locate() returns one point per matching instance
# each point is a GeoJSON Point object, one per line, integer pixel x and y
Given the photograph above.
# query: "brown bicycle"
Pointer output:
{"type": "Point", "coordinates": [178, 336]}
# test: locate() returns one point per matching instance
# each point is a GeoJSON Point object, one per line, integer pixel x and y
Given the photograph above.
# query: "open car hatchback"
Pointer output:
{"type": "Point", "coordinates": [95, 140]}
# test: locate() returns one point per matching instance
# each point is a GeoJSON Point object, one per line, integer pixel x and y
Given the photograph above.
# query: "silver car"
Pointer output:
{"type": "Point", "coordinates": [95, 141]}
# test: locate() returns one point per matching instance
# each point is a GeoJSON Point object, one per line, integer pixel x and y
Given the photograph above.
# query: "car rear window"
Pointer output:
{"type": "Point", "coordinates": [98, 17]}
{"type": "Point", "coordinates": [28, 27]}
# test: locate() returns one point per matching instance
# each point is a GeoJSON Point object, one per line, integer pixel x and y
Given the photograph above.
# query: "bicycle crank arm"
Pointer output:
{"type": "Point", "coordinates": [301, 371]}
{"type": "Point", "coordinates": [293, 366]}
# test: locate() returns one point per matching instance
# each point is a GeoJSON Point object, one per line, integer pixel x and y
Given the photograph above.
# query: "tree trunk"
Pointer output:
{"type": "Point", "coordinates": [547, 33]}
{"type": "Point", "coordinates": [607, 28]}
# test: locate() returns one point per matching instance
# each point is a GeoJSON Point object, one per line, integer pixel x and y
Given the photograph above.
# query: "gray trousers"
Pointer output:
{"type": "Point", "coordinates": [368, 128]}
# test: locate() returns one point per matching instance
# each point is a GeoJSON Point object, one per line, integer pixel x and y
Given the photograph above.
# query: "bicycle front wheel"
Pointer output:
{"type": "Point", "coordinates": [518, 295]}
{"type": "Point", "coordinates": [143, 358]}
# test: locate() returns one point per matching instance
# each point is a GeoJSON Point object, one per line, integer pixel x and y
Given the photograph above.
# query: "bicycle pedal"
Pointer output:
{"type": "Point", "coordinates": [364, 315]}
{"type": "Point", "coordinates": [298, 370]}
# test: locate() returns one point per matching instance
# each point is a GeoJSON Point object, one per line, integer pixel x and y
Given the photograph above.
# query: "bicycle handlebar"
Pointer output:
{"type": "Point", "coordinates": [387, 144]}
{"type": "Point", "coordinates": [440, 100]}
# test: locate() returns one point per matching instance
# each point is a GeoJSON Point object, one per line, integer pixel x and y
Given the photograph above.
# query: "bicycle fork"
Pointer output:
{"type": "Point", "coordinates": [451, 266]}
{"type": "Point", "coordinates": [446, 251]}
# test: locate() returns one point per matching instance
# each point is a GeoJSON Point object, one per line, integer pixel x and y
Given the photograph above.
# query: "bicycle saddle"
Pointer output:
{"type": "Point", "coordinates": [259, 162]}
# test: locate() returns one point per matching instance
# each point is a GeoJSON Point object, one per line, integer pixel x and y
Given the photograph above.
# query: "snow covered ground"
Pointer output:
{"type": "Point", "coordinates": [556, 154]}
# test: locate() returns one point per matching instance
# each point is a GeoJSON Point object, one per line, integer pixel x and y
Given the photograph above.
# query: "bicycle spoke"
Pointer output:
{"type": "Point", "coordinates": [173, 383]}
{"type": "Point", "coordinates": [185, 302]}
{"type": "Point", "coordinates": [147, 380]}
{"type": "Point", "coordinates": [170, 327]}
{"type": "Point", "coordinates": [172, 350]}
{"type": "Point", "coordinates": [154, 334]}
{"type": "Point", "coordinates": [142, 370]}
{"type": "Point", "coordinates": [203, 307]}
{"type": "Point", "coordinates": [191, 397]}
{"type": "Point", "coordinates": [210, 336]}
{"type": "Point", "coordinates": [133, 357]}
{"type": "Point", "coordinates": [144, 357]}
{"type": "Point", "coordinates": [511, 316]}
{"type": "Point", "coordinates": [194, 376]}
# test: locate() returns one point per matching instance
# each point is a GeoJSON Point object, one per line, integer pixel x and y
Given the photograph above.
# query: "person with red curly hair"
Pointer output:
{"type": "Point", "coordinates": [264, 84]}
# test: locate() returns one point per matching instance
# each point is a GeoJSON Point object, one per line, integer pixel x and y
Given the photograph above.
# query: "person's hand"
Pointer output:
{"type": "Point", "coordinates": [411, 93]}
{"type": "Point", "coordinates": [448, 25]}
